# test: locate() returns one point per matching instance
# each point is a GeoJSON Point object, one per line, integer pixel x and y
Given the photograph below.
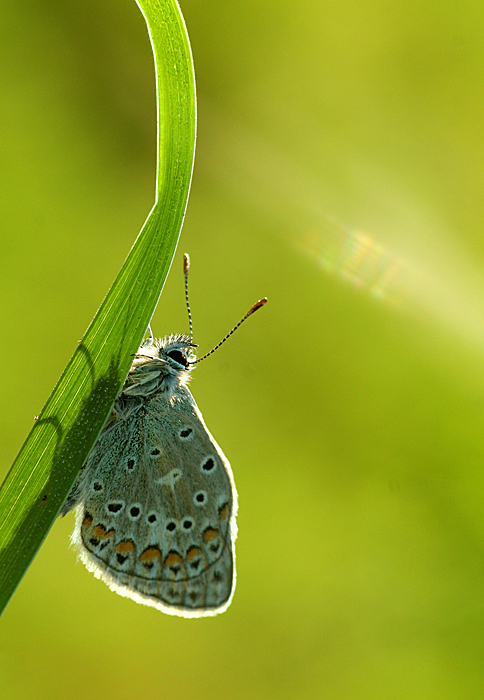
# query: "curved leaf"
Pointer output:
{"type": "Point", "coordinates": [58, 444]}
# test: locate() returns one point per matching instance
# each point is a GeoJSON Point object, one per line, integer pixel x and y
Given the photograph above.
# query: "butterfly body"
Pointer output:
{"type": "Point", "coordinates": [156, 501]}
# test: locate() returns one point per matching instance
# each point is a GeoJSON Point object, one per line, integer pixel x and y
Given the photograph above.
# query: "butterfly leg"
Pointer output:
{"type": "Point", "coordinates": [149, 340]}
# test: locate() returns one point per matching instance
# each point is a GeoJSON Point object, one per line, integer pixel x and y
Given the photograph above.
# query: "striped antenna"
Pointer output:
{"type": "Point", "coordinates": [252, 309]}
{"type": "Point", "coordinates": [186, 267]}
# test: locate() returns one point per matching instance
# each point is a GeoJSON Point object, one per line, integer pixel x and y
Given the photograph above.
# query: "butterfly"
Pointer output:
{"type": "Point", "coordinates": [156, 501]}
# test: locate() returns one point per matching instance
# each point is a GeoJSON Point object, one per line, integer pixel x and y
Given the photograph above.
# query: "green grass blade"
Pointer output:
{"type": "Point", "coordinates": [57, 446]}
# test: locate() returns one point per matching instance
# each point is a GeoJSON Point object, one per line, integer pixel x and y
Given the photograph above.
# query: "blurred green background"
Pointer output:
{"type": "Point", "coordinates": [340, 172]}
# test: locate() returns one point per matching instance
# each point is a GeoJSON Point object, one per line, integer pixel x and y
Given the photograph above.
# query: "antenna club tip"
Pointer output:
{"type": "Point", "coordinates": [186, 263]}
{"type": "Point", "coordinates": [258, 305]}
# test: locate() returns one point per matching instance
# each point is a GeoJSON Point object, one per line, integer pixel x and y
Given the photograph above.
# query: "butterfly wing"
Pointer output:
{"type": "Point", "coordinates": [156, 519]}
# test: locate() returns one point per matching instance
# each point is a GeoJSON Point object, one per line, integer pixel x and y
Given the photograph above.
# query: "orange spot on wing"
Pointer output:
{"type": "Point", "coordinates": [150, 554]}
{"type": "Point", "coordinates": [125, 547]}
{"type": "Point", "coordinates": [87, 522]}
{"type": "Point", "coordinates": [210, 535]}
{"type": "Point", "coordinates": [100, 531]}
{"type": "Point", "coordinates": [224, 512]}
{"type": "Point", "coordinates": [172, 559]}
{"type": "Point", "coordinates": [192, 553]}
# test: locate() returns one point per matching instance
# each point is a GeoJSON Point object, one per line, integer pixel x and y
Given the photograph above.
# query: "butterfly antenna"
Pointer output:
{"type": "Point", "coordinates": [252, 309]}
{"type": "Point", "coordinates": [186, 267]}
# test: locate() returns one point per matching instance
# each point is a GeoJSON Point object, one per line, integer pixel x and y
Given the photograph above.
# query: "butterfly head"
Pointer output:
{"type": "Point", "coordinates": [160, 365]}
{"type": "Point", "coordinates": [177, 352]}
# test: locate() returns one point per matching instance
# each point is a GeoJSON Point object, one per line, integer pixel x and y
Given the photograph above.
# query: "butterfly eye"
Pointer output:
{"type": "Point", "coordinates": [179, 357]}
